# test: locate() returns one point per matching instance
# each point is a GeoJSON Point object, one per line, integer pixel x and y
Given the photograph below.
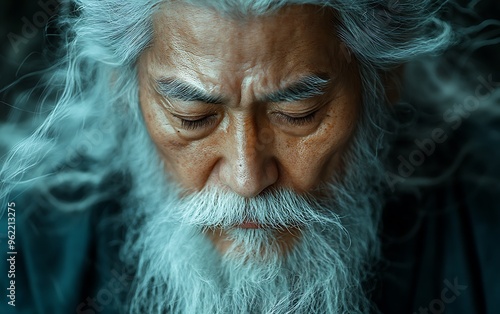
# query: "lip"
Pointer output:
{"type": "Point", "coordinates": [249, 225]}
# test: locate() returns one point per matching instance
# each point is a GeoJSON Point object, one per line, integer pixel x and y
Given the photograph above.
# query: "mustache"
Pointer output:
{"type": "Point", "coordinates": [277, 209]}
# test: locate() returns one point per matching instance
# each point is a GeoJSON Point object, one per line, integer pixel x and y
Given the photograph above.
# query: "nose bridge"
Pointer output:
{"type": "Point", "coordinates": [249, 168]}
{"type": "Point", "coordinates": [247, 158]}
{"type": "Point", "coordinates": [246, 141]}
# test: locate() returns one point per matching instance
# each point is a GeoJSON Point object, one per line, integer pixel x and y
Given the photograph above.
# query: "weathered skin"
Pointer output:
{"type": "Point", "coordinates": [248, 146]}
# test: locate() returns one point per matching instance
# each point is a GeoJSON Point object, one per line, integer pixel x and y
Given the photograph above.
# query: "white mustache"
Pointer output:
{"type": "Point", "coordinates": [278, 209]}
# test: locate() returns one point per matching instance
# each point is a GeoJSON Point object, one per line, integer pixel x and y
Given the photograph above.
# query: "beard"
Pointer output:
{"type": "Point", "coordinates": [180, 270]}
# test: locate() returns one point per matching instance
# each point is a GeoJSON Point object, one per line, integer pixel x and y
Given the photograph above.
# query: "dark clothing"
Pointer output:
{"type": "Point", "coordinates": [441, 245]}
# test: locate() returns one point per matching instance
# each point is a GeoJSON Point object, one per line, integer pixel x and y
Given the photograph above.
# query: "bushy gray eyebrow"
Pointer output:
{"type": "Point", "coordinates": [307, 87]}
{"type": "Point", "coordinates": [180, 90]}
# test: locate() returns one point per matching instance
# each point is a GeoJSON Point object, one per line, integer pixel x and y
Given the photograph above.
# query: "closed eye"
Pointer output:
{"type": "Point", "coordinates": [297, 120]}
{"type": "Point", "coordinates": [194, 124]}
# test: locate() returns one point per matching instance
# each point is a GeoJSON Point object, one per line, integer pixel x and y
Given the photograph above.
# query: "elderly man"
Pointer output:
{"type": "Point", "coordinates": [235, 157]}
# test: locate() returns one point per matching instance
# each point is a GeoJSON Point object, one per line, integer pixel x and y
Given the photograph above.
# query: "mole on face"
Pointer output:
{"type": "Point", "coordinates": [251, 104]}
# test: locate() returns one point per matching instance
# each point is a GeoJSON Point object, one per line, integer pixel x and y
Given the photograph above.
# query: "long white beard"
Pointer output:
{"type": "Point", "coordinates": [180, 271]}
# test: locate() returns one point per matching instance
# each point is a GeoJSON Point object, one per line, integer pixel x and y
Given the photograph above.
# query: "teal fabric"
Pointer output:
{"type": "Point", "coordinates": [64, 259]}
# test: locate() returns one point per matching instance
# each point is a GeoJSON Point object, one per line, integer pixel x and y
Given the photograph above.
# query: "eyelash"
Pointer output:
{"type": "Point", "coordinates": [197, 124]}
{"type": "Point", "coordinates": [298, 120]}
{"type": "Point", "coordinates": [207, 121]}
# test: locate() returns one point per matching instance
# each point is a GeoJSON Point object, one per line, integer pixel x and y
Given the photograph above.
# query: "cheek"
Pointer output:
{"type": "Point", "coordinates": [307, 162]}
{"type": "Point", "coordinates": [188, 162]}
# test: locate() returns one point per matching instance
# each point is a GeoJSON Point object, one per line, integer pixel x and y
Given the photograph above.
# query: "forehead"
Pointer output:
{"type": "Point", "coordinates": [199, 42]}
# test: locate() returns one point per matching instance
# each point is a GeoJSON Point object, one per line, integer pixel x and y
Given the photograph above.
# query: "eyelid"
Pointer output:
{"type": "Point", "coordinates": [193, 117]}
{"type": "Point", "coordinates": [196, 122]}
{"type": "Point", "coordinates": [297, 113]}
{"type": "Point", "coordinates": [197, 110]}
{"type": "Point", "coordinates": [302, 120]}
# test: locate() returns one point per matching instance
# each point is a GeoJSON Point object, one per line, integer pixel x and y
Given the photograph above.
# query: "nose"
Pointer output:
{"type": "Point", "coordinates": [248, 166]}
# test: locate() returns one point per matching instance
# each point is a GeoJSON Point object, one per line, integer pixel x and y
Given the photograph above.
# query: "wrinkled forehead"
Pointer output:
{"type": "Point", "coordinates": [293, 38]}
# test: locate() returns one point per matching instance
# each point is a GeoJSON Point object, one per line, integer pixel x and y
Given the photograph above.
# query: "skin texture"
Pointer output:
{"type": "Point", "coordinates": [249, 145]}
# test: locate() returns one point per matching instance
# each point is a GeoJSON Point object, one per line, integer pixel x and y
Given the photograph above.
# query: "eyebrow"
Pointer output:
{"type": "Point", "coordinates": [305, 88]}
{"type": "Point", "coordinates": [180, 90]}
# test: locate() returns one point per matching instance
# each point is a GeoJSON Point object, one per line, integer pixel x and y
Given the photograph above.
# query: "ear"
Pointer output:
{"type": "Point", "coordinates": [392, 83]}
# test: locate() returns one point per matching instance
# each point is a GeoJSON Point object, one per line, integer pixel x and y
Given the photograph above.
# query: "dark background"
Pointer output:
{"type": "Point", "coordinates": [24, 50]}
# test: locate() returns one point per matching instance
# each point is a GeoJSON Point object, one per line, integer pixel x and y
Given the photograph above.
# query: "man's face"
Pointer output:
{"type": "Point", "coordinates": [248, 105]}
